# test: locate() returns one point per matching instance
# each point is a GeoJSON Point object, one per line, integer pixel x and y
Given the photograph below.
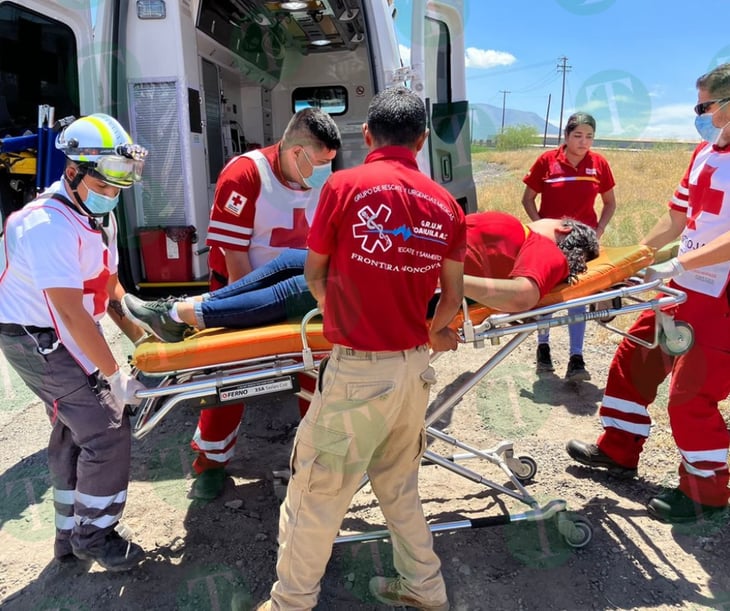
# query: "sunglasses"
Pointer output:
{"type": "Point", "coordinates": [703, 107]}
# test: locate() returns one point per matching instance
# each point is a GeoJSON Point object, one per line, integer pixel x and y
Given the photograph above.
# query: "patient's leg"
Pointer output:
{"type": "Point", "coordinates": [285, 300]}
{"type": "Point", "coordinates": [289, 263]}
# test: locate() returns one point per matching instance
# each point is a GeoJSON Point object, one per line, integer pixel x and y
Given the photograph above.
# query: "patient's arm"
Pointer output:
{"type": "Point", "coordinates": [506, 295]}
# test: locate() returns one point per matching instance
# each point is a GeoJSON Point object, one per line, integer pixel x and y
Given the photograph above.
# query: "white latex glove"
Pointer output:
{"type": "Point", "coordinates": [124, 388]}
{"type": "Point", "coordinates": [668, 269]}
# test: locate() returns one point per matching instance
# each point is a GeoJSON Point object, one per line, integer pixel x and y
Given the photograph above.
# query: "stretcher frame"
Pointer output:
{"type": "Point", "coordinates": [259, 376]}
{"type": "Point", "coordinates": [602, 307]}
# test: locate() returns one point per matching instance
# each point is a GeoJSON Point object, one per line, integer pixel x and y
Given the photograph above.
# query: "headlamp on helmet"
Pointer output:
{"type": "Point", "coordinates": [103, 149]}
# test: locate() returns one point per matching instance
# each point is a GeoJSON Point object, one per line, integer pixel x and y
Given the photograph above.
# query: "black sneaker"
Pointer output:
{"type": "Point", "coordinates": [675, 507]}
{"type": "Point", "coordinates": [577, 371]}
{"type": "Point", "coordinates": [154, 317]}
{"type": "Point", "coordinates": [590, 455]}
{"type": "Point", "coordinates": [544, 362]}
{"type": "Point", "coordinates": [115, 554]}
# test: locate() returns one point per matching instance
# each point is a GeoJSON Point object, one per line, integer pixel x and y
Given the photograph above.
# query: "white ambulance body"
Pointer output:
{"type": "Point", "coordinates": [200, 81]}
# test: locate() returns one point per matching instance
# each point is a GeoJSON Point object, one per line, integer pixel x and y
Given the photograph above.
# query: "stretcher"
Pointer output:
{"type": "Point", "coordinates": [218, 366]}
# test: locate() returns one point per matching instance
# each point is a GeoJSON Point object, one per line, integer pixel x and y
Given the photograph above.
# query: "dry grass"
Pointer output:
{"type": "Point", "coordinates": [645, 180]}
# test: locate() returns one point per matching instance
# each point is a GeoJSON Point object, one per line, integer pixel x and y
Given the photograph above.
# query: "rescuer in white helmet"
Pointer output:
{"type": "Point", "coordinates": [60, 280]}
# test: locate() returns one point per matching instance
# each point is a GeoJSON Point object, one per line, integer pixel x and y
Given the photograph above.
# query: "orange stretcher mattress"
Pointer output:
{"type": "Point", "coordinates": [612, 265]}
{"type": "Point", "coordinates": [212, 347]}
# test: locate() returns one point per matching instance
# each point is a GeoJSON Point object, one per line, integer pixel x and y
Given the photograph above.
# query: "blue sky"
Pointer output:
{"type": "Point", "coordinates": [632, 63]}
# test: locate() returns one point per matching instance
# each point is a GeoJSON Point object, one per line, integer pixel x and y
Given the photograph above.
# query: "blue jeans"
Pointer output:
{"type": "Point", "coordinates": [274, 292]}
{"type": "Point", "coordinates": [576, 332]}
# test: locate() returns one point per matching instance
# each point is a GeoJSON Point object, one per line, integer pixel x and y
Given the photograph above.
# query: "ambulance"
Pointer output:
{"type": "Point", "coordinates": [199, 81]}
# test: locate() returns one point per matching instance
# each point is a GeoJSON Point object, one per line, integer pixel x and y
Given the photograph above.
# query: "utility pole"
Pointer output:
{"type": "Point", "coordinates": [471, 125]}
{"type": "Point", "coordinates": [563, 67]}
{"type": "Point", "coordinates": [504, 102]}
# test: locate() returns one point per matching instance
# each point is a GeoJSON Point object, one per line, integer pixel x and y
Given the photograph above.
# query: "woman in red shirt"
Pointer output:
{"type": "Point", "coordinates": [568, 180]}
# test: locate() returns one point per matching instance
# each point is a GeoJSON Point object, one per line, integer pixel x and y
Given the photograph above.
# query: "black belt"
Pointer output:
{"type": "Point", "coordinates": [219, 277]}
{"type": "Point", "coordinates": [10, 328]}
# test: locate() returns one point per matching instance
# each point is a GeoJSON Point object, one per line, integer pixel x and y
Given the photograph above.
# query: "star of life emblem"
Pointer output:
{"type": "Point", "coordinates": [370, 231]}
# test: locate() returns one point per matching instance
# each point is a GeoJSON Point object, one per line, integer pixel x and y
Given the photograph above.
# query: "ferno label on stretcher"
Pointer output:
{"type": "Point", "coordinates": [252, 389]}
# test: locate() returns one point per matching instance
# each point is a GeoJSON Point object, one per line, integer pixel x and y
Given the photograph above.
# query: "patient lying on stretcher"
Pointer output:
{"type": "Point", "coordinates": [509, 266]}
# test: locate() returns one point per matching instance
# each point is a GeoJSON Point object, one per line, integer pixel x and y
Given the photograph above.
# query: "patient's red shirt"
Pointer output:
{"type": "Point", "coordinates": [498, 245]}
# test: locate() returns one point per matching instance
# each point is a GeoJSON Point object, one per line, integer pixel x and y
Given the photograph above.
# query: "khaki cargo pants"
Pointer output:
{"type": "Point", "coordinates": [367, 416]}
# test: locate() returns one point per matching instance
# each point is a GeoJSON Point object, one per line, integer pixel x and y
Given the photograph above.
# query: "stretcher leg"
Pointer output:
{"type": "Point", "coordinates": [575, 530]}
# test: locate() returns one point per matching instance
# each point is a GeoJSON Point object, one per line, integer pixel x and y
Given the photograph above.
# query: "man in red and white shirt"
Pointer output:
{"type": "Point", "coordinates": [699, 212]}
{"type": "Point", "coordinates": [264, 203]}
{"type": "Point", "coordinates": [59, 280]}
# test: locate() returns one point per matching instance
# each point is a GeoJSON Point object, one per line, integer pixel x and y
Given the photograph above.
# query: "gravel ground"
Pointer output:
{"type": "Point", "coordinates": [221, 554]}
{"type": "Point", "coordinates": [206, 555]}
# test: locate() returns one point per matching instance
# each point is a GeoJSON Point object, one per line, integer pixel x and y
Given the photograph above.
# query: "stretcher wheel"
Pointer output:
{"type": "Point", "coordinates": [526, 469]}
{"type": "Point", "coordinates": [576, 529]}
{"type": "Point", "coordinates": [681, 342]}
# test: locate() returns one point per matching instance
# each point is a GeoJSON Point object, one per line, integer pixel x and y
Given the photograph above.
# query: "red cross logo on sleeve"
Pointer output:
{"type": "Point", "coordinates": [710, 200]}
{"type": "Point", "coordinates": [296, 237]}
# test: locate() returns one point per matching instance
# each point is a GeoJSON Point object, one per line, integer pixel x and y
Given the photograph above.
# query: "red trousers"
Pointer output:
{"type": "Point", "coordinates": [699, 380]}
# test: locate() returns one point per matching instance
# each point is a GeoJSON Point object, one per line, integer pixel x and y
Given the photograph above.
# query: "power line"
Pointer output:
{"type": "Point", "coordinates": [562, 67]}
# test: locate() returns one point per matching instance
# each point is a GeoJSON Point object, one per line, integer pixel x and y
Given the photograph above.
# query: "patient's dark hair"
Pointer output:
{"type": "Point", "coordinates": [579, 246]}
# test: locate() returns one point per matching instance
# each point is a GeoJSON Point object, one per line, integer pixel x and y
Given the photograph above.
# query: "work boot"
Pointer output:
{"type": "Point", "coordinates": [577, 371]}
{"type": "Point", "coordinates": [590, 455]}
{"type": "Point", "coordinates": [114, 554]}
{"type": "Point", "coordinates": [72, 563]}
{"type": "Point", "coordinates": [544, 362]}
{"type": "Point", "coordinates": [209, 484]}
{"type": "Point", "coordinates": [392, 592]}
{"type": "Point", "coordinates": [675, 507]}
{"type": "Point", "coordinates": [154, 317]}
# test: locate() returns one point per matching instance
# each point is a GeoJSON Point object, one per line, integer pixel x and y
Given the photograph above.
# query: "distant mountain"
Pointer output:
{"type": "Point", "coordinates": [487, 121]}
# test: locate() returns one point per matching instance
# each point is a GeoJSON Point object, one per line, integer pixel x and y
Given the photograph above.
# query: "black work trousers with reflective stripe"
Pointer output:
{"type": "Point", "coordinates": [89, 450]}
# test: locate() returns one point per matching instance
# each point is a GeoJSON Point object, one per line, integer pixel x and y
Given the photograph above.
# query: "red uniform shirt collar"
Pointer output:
{"type": "Point", "coordinates": [276, 166]}
{"type": "Point", "coordinates": [395, 153]}
{"type": "Point", "coordinates": [563, 159]}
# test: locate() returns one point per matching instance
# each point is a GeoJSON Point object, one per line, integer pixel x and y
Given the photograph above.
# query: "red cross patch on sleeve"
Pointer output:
{"type": "Point", "coordinates": [235, 204]}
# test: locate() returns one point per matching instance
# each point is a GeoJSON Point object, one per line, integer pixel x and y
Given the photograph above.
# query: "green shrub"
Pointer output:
{"type": "Point", "coordinates": [515, 137]}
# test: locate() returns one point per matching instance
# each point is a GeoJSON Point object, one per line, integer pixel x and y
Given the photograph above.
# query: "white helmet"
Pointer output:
{"type": "Point", "coordinates": [103, 148]}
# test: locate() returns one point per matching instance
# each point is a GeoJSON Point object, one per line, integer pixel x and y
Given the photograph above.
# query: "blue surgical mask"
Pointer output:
{"type": "Point", "coordinates": [99, 205]}
{"type": "Point", "coordinates": [706, 129]}
{"type": "Point", "coordinates": [320, 173]}
{"type": "Point", "coordinates": [319, 176]}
